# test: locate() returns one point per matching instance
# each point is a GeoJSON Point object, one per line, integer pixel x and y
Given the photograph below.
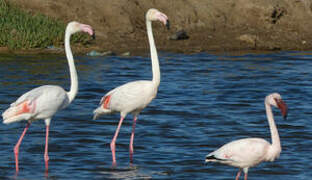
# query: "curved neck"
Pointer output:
{"type": "Point", "coordinates": [154, 56]}
{"type": "Point", "coordinates": [274, 133]}
{"type": "Point", "coordinates": [72, 69]}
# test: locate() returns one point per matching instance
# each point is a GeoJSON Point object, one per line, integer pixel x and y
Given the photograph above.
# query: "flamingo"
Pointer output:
{"type": "Point", "coordinates": [134, 96]}
{"type": "Point", "coordinates": [44, 101]}
{"type": "Point", "coordinates": [248, 152]}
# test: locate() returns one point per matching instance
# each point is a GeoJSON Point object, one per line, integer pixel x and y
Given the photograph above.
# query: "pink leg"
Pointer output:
{"type": "Point", "coordinates": [16, 147]}
{"type": "Point", "coordinates": [245, 177]}
{"type": "Point", "coordinates": [131, 139]}
{"type": "Point", "coordinates": [238, 174]}
{"type": "Point", "coordinates": [46, 157]}
{"type": "Point", "coordinates": [113, 143]}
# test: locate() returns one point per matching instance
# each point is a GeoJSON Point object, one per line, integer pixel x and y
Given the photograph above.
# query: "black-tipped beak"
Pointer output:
{"type": "Point", "coordinates": [285, 113]}
{"type": "Point", "coordinates": [93, 35]}
{"type": "Point", "coordinates": [283, 107]}
{"type": "Point", "coordinates": [168, 24]}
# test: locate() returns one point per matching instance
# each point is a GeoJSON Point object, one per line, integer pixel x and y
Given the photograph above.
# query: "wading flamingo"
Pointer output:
{"type": "Point", "coordinates": [248, 152]}
{"type": "Point", "coordinates": [43, 102]}
{"type": "Point", "coordinates": [134, 96]}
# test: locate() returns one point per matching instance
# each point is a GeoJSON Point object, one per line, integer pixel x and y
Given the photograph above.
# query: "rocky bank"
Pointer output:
{"type": "Point", "coordinates": [212, 25]}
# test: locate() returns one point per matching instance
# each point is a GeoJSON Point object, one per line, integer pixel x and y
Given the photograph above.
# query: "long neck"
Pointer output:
{"type": "Point", "coordinates": [155, 62]}
{"type": "Point", "coordinates": [72, 69]}
{"type": "Point", "coordinates": [274, 133]}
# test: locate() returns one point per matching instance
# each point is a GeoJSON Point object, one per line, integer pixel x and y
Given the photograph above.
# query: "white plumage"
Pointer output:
{"type": "Point", "coordinates": [44, 102]}
{"type": "Point", "coordinates": [131, 97]}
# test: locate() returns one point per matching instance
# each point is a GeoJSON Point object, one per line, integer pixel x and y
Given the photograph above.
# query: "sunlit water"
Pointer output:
{"type": "Point", "coordinates": [203, 101]}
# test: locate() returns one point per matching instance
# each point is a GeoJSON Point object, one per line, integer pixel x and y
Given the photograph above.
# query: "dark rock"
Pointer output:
{"type": "Point", "coordinates": [180, 35]}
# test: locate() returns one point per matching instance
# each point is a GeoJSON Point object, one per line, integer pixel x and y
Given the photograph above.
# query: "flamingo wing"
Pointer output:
{"type": "Point", "coordinates": [38, 103]}
{"type": "Point", "coordinates": [130, 96]}
{"type": "Point", "coordinates": [30, 95]}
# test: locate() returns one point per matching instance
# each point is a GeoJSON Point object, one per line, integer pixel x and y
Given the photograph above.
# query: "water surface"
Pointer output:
{"type": "Point", "coordinates": [204, 101]}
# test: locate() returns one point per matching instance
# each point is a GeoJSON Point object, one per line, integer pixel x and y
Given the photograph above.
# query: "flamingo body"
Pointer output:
{"type": "Point", "coordinates": [242, 153]}
{"type": "Point", "coordinates": [43, 102]}
{"type": "Point", "coordinates": [131, 97]}
{"type": "Point", "coordinates": [248, 152]}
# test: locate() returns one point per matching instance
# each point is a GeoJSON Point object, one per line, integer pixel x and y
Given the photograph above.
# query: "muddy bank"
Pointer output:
{"type": "Point", "coordinates": [212, 25]}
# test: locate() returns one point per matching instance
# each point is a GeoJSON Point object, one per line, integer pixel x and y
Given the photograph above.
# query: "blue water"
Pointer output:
{"type": "Point", "coordinates": [204, 101]}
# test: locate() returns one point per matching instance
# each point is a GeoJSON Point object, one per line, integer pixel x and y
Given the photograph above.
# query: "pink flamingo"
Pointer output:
{"type": "Point", "coordinates": [248, 152]}
{"type": "Point", "coordinates": [134, 96]}
{"type": "Point", "coordinates": [43, 102]}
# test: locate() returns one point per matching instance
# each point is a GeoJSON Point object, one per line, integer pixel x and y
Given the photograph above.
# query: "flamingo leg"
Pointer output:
{"type": "Point", "coordinates": [16, 147]}
{"type": "Point", "coordinates": [46, 157]}
{"type": "Point", "coordinates": [238, 174]}
{"type": "Point", "coordinates": [131, 139]}
{"type": "Point", "coordinates": [113, 143]}
{"type": "Point", "coordinates": [245, 176]}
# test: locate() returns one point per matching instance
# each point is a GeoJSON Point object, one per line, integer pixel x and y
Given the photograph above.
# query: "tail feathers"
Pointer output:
{"type": "Point", "coordinates": [213, 158]}
{"type": "Point", "coordinates": [11, 112]}
{"type": "Point", "coordinates": [99, 111]}
{"type": "Point", "coordinates": [23, 111]}
{"type": "Point", "coordinates": [25, 116]}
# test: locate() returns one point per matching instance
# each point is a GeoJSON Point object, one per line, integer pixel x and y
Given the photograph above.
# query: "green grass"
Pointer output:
{"type": "Point", "coordinates": [22, 30]}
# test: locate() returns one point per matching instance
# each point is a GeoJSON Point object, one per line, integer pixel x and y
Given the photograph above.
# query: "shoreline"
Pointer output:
{"type": "Point", "coordinates": [212, 26]}
{"type": "Point", "coordinates": [142, 52]}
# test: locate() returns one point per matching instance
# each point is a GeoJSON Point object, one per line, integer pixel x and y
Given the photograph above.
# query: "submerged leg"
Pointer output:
{"type": "Point", "coordinates": [131, 139]}
{"type": "Point", "coordinates": [113, 143]}
{"type": "Point", "coordinates": [238, 174]}
{"type": "Point", "coordinates": [46, 157]}
{"type": "Point", "coordinates": [16, 147]}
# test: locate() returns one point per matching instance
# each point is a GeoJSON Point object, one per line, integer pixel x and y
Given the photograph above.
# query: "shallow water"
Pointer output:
{"type": "Point", "coordinates": [204, 101]}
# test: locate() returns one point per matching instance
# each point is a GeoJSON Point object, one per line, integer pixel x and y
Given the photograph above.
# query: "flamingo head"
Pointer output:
{"type": "Point", "coordinates": [155, 15]}
{"type": "Point", "coordinates": [74, 27]}
{"type": "Point", "coordinates": [276, 100]}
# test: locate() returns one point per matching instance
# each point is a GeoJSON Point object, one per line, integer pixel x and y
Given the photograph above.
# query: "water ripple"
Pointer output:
{"type": "Point", "coordinates": [204, 101]}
